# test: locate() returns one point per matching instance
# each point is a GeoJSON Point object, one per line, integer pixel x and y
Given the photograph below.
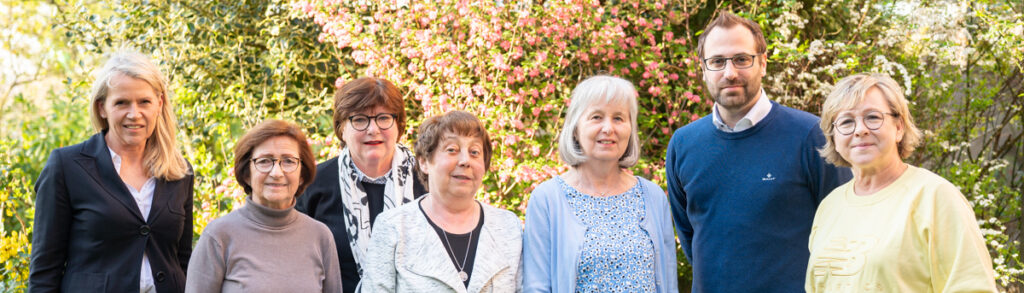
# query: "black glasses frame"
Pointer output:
{"type": "Point", "coordinates": [375, 119]}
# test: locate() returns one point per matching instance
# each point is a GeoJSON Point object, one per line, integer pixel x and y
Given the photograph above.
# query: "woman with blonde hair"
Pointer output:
{"type": "Point", "coordinates": [894, 227]}
{"type": "Point", "coordinates": [114, 213]}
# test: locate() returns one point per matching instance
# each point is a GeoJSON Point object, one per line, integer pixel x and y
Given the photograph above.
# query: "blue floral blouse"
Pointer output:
{"type": "Point", "coordinates": [617, 254]}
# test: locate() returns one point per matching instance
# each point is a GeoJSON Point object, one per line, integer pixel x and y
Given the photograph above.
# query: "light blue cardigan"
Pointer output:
{"type": "Point", "coordinates": [554, 237]}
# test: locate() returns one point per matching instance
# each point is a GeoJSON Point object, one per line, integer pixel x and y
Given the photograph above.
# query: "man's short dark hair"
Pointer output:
{"type": "Point", "coordinates": [728, 20]}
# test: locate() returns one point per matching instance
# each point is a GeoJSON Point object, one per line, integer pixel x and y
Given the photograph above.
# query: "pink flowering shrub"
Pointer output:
{"type": "Point", "coordinates": [515, 66]}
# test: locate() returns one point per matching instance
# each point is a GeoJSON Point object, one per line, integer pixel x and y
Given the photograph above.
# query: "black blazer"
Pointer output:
{"type": "Point", "coordinates": [90, 235]}
{"type": "Point", "coordinates": [322, 201]}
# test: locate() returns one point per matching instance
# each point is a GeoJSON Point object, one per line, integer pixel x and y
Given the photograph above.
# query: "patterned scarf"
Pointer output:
{"type": "Point", "coordinates": [397, 191]}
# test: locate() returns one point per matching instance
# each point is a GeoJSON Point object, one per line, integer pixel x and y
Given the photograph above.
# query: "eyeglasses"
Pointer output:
{"type": "Point", "coordinates": [873, 120]}
{"type": "Point", "coordinates": [265, 165]}
{"type": "Point", "coordinates": [741, 61]}
{"type": "Point", "coordinates": [384, 121]}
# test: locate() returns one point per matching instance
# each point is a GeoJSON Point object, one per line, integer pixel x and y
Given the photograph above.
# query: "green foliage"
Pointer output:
{"type": "Point", "coordinates": [23, 156]}
{"type": "Point", "coordinates": [231, 65]}
{"type": "Point", "coordinates": [234, 64]}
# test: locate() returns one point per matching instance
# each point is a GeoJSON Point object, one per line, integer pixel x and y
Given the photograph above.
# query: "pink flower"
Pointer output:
{"type": "Point", "coordinates": [655, 91]}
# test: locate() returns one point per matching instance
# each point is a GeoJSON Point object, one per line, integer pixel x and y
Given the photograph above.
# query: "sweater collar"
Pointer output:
{"type": "Point", "coordinates": [268, 217]}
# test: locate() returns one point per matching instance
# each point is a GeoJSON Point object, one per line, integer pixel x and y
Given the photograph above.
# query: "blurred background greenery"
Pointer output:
{"type": "Point", "coordinates": [233, 64]}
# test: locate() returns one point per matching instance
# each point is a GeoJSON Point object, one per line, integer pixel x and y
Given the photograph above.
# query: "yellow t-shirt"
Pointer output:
{"type": "Point", "coordinates": [918, 234]}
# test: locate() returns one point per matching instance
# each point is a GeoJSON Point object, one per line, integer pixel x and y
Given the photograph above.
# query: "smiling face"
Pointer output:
{"type": "Point", "coordinates": [603, 131]}
{"type": "Point", "coordinates": [131, 110]}
{"type": "Point", "coordinates": [372, 144]}
{"type": "Point", "coordinates": [275, 189]}
{"type": "Point", "coordinates": [734, 89]}
{"type": "Point", "coordinates": [865, 148]}
{"type": "Point", "coordinates": [457, 167]}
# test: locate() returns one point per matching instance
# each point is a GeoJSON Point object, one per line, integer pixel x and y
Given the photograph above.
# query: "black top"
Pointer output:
{"type": "Point", "coordinates": [90, 235]}
{"type": "Point", "coordinates": [322, 201]}
{"type": "Point", "coordinates": [460, 247]}
{"type": "Point", "coordinates": [375, 198]}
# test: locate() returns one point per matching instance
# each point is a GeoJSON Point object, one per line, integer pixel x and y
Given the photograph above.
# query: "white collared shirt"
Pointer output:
{"type": "Point", "coordinates": [755, 115]}
{"type": "Point", "coordinates": [143, 199]}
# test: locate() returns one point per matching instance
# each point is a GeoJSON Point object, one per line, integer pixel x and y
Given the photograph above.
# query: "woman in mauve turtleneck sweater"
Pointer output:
{"type": "Point", "coordinates": [266, 245]}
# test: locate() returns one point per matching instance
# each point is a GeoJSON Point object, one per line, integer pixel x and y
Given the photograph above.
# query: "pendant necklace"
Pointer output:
{"type": "Point", "coordinates": [462, 272]}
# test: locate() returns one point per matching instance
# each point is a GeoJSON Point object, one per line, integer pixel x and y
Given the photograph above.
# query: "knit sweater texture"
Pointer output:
{"type": "Point", "coordinates": [259, 249]}
{"type": "Point", "coordinates": [743, 202]}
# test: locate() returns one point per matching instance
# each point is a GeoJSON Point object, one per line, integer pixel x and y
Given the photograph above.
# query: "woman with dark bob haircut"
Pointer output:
{"type": "Point", "coordinates": [267, 246]}
{"type": "Point", "coordinates": [114, 213]}
{"type": "Point", "coordinates": [373, 173]}
{"type": "Point", "coordinates": [447, 241]}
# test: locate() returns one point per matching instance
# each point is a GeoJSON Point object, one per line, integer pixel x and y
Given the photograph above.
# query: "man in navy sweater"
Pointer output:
{"type": "Point", "coordinates": [744, 182]}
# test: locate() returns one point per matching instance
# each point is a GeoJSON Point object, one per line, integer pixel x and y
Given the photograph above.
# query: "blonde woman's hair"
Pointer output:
{"type": "Point", "coordinates": [162, 157]}
{"type": "Point", "coordinates": [848, 93]}
{"type": "Point", "coordinates": [594, 90]}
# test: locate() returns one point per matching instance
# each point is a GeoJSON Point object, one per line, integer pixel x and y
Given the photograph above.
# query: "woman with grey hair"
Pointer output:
{"type": "Point", "coordinates": [894, 227]}
{"type": "Point", "coordinates": [597, 227]}
{"type": "Point", "coordinates": [114, 213]}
